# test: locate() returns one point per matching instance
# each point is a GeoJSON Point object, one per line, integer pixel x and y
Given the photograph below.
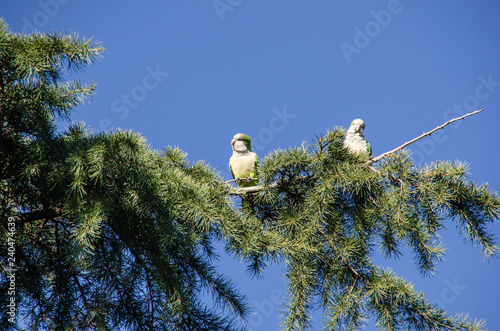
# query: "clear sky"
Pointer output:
{"type": "Point", "coordinates": [194, 73]}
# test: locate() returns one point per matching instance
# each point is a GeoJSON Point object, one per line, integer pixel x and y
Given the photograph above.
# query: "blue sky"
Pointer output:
{"type": "Point", "coordinates": [194, 73]}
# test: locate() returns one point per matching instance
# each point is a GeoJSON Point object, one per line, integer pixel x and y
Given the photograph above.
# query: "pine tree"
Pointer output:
{"type": "Point", "coordinates": [108, 234]}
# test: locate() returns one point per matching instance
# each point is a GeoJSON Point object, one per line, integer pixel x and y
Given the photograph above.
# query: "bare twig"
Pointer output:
{"type": "Point", "coordinates": [386, 154]}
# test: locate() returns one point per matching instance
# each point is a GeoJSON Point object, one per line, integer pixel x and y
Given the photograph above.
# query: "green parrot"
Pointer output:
{"type": "Point", "coordinates": [355, 139]}
{"type": "Point", "coordinates": [244, 163]}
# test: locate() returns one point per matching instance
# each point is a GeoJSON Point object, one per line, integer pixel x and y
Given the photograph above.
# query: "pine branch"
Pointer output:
{"type": "Point", "coordinates": [246, 180]}
{"type": "Point", "coordinates": [39, 215]}
{"type": "Point", "coordinates": [250, 189]}
{"type": "Point", "coordinates": [84, 298]}
{"type": "Point", "coordinates": [330, 242]}
{"type": "Point", "coordinates": [386, 154]}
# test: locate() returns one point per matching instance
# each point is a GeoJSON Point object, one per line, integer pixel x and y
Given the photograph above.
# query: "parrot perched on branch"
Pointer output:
{"type": "Point", "coordinates": [355, 139]}
{"type": "Point", "coordinates": [244, 163]}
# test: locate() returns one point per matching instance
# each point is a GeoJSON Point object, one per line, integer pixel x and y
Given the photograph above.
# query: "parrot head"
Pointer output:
{"type": "Point", "coordinates": [357, 126]}
{"type": "Point", "coordinates": [241, 143]}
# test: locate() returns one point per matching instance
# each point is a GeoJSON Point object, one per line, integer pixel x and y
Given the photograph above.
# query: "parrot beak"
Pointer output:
{"type": "Point", "coordinates": [357, 128]}
{"type": "Point", "coordinates": [232, 142]}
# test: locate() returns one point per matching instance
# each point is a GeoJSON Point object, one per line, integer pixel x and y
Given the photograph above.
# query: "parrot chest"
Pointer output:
{"type": "Point", "coordinates": [356, 144]}
{"type": "Point", "coordinates": [243, 165]}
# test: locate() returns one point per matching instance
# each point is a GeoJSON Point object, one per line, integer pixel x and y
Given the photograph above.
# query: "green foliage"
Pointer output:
{"type": "Point", "coordinates": [113, 235]}
{"type": "Point", "coordinates": [333, 211]}
{"type": "Point", "coordinates": [109, 234]}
